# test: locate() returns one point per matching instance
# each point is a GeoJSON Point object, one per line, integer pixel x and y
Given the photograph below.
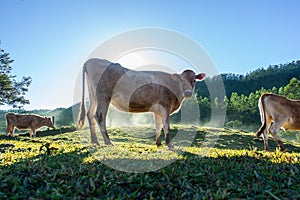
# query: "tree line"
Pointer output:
{"type": "Point", "coordinates": [273, 76]}
{"type": "Point", "coordinates": [243, 92]}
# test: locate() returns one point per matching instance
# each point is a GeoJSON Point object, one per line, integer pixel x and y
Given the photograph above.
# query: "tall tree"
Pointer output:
{"type": "Point", "coordinates": [292, 90]}
{"type": "Point", "coordinates": [12, 92]}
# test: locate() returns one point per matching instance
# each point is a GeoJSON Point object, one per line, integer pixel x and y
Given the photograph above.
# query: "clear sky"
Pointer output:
{"type": "Point", "coordinates": [51, 39]}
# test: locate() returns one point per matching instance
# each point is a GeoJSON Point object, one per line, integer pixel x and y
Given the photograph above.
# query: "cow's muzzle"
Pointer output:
{"type": "Point", "coordinates": [188, 93]}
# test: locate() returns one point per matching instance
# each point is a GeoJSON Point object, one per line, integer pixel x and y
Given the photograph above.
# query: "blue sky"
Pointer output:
{"type": "Point", "coordinates": [50, 39]}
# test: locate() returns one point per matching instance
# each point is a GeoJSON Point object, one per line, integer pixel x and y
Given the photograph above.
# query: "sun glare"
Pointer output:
{"type": "Point", "coordinates": [153, 60]}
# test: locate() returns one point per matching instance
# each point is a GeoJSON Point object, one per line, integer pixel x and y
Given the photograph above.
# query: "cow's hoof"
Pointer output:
{"type": "Point", "coordinates": [95, 144]}
{"type": "Point", "coordinates": [10, 135]}
{"type": "Point", "coordinates": [283, 149]}
{"type": "Point", "coordinates": [109, 144]}
{"type": "Point", "coordinates": [170, 146]}
{"type": "Point", "coordinates": [258, 137]}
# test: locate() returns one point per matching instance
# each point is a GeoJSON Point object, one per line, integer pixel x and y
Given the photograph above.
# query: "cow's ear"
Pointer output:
{"type": "Point", "coordinates": [176, 77]}
{"type": "Point", "coordinates": [200, 76]}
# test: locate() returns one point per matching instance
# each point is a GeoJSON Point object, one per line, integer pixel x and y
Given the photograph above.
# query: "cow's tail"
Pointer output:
{"type": "Point", "coordinates": [261, 106]}
{"type": "Point", "coordinates": [82, 109]}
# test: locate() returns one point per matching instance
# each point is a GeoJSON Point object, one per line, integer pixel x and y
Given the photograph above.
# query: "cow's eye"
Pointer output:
{"type": "Point", "coordinates": [194, 80]}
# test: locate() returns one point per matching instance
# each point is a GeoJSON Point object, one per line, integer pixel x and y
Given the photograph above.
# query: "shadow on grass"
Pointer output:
{"type": "Point", "coordinates": [240, 141]}
{"type": "Point", "coordinates": [36, 176]}
{"type": "Point", "coordinates": [44, 133]}
{"type": "Point", "coordinates": [243, 140]}
{"type": "Point", "coordinates": [226, 138]}
{"type": "Point", "coordinates": [52, 132]}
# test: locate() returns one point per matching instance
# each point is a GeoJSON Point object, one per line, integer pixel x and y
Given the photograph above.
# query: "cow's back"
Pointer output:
{"type": "Point", "coordinates": [25, 121]}
{"type": "Point", "coordinates": [103, 73]}
{"type": "Point", "coordinates": [275, 104]}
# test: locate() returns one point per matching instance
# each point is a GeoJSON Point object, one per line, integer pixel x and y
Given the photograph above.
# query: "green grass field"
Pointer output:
{"type": "Point", "coordinates": [209, 163]}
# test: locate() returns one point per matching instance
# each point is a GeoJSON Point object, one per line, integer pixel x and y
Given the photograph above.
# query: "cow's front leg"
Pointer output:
{"type": "Point", "coordinates": [34, 133]}
{"type": "Point", "coordinates": [10, 131]}
{"type": "Point", "coordinates": [281, 145]}
{"type": "Point", "coordinates": [13, 132]}
{"type": "Point", "coordinates": [158, 127]}
{"type": "Point", "coordinates": [31, 133]}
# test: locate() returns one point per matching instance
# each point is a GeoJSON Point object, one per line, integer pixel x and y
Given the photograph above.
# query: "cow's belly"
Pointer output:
{"type": "Point", "coordinates": [140, 100]}
{"type": "Point", "coordinates": [131, 106]}
{"type": "Point", "coordinates": [291, 124]}
{"type": "Point", "coordinates": [20, 127]}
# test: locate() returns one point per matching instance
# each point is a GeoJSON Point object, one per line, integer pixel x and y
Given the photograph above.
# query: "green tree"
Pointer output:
{"type": "Point", "coordinates": [281, 91]}
{"type": "Point", "coordinates": [11, 91]}
{"type": "Point", "coordinates": [292, 90]}
{"type": "Point", "coordinates": [205, 109]}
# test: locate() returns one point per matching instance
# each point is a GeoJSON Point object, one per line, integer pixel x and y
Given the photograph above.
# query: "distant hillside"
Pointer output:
{"type": "Point", "coordinates": [273, 76]}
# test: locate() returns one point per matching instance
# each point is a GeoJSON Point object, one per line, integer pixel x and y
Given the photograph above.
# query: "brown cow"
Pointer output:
{"type": "Point", "coordinates": [32, 122]}
{"type": "Point", "coordinates": [133, 91]}
{"type": "Point", "coordinates": [277, 112]}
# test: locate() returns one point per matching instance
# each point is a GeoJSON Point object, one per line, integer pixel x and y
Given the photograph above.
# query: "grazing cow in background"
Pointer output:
{"type": "Point", "coordinates": [277, 112]}
{"type": "Point", "coordinates": [32, 122]}
{"type": "Point", "coordinates": [133, 91]}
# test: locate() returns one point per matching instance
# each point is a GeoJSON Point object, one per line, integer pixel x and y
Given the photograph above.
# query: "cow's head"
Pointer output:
{"type": "Point", "coordinates": [187, 81]}
{"type": "Point", "coordinates": [48, 122]}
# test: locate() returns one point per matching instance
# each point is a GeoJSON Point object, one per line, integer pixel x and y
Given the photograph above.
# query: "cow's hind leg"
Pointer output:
{"type": "Point", "coordinates": [158, 127]}
{"type": "Point", "coordinates": [274, 128]}
{"type": "Point", "coordinates": [265, 138]}
{"type": "Point", "coordinates": [265, 130]}
{"type": "Point", "coordinates": [9, 130]}
{"type": "Point", "coordinates": [101, 114]}
{"type": "Point", "coordinates": [91, 118]}
{"type": "Point", "coordinates": [260, 131]}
